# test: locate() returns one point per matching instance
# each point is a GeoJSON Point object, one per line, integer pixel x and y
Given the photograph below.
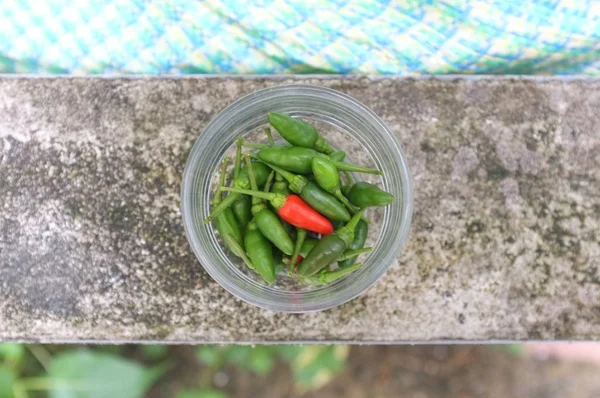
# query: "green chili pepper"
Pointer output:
{"type": "Point", "coordinates": [225, 222]}
{"type": "Point", "coordinates": [326, 277]}
{"type": "Point", "coordinates": [292, 159]}
{"type": "Point", "coordinates": [363, 194]}
{"type": "Point", "coordinates": [326, 174]}
{"type": "Point", "coordinates": [328, 178]}
{"type": "Point", "coordinates": [300, 237]}
{"type": "Point", "coordinates": [307, 246]}
{"type": "Point", "coordinates": [324, 253]}
{"type": "Point", "coordinates": [337, 156]}
{"type": "Point", "coordinates": [330, 248]}
{"type": "Point", "coordinates": [315, 196]}
{"type": "Point", "coordinates": [280, 185]}
{"type": "Point", "coordinates": [237, 250]}
{"type": "Point", "coordinates": [269, 136]}
{"type": "Point", "coordinates": [360, 237]}
{"type": "Point", "coordinates": [278, 263]}
{"type": "Point", "coordinates": [267, 222]}
{"type": "Point", "coordinates": [260, 252]}
{"type": "Point", "coordinates": [242, 210]}
{"type": "Point", "coordinates": [299, 133]}
{"type": "Point", "coordinates": [338, 224]}
{"type": "Point", "coordinates": [299, 160]}
{"type": "Point", "coordinates": [261, 173]}
{"type": "Point", "coordinates": [241, 206]}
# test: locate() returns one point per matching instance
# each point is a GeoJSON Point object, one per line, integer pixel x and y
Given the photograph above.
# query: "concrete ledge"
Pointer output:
{"type": "Point", "coordinates": [506, 232]}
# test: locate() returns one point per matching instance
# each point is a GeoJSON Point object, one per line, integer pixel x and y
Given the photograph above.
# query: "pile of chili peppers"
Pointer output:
{"type": "Point", "coordinates": [287, 206]}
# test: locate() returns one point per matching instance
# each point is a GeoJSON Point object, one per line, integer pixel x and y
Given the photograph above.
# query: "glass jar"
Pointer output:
{"type": "Point", "coordinates": [348, 125]}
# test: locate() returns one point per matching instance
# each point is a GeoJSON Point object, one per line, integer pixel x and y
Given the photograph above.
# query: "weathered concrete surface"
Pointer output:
{"type": "Point", "coordinates": [505, 242]}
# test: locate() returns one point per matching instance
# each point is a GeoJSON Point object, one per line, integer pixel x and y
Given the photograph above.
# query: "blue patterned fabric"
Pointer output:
{"type": "Point", "coordinates": [273, 36]}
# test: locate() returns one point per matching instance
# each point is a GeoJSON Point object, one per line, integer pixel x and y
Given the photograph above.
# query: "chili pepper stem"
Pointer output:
{"type": "Point", "coordinates": [297, 182]}
{"type": "Point", "coordinates": [218, 197]}
{"type": "Point", "coordinates": [255, 145]}
{"type": "Point", "coordinates": [346, 233]}
{"type": "Point", "coordinates": [237, 250]}
{"type": "Point", "coordinates": [272, 143]}
{"type": "Point", "coordinates": [253, 185]}
{"type": "Point", "coordinates": [258, 194]}
{"type": "Point", "coordinates": [322, 145]}
{"type": "Point", "coordinates": [269, 182]}
{"type": "Point", "coordinates": [354, 220]}
{"type": "Point", "coordinates": [353, 167]}
{"type": "Point", "coordinates": [228, 201]}
{"type": "Point", "coordinates": [324, 278]}
{"type": "Point", "coordinates": [269, 135]}
{"type": "Point", "coordinates": [349, 177]}
{"type": "Point", "coordinates": [354, 253]}
{"type": "Point", "coordinates": [238, 157]}
{"type": "Point", "coordinates": [340, 196]}
{"type": "Point", "coordinates": [329, 277]}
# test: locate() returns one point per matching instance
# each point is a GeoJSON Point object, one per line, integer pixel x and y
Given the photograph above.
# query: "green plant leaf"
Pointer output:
{"type": "Point", "coordinates": [209, 355]}
{"type": "Point", "coordinates": [110, 349]}
{"type": "Point", "coordinates": [154, 351]}
{"type": "Point", "coordinates": [315, 366]}
{"type": "Point", "coordinates": [289, 352]}
{"type": "Point", "coordinates": [7, 379]}
{"type": "Point", "coordinates": [261, 360]}
{"type": "Point", "coordinates": [202, 394]}
{"type": "Point", "coordinates": [12, 352]}
{"type": "Point", "coordinates": [515, 349]}
{"type": "Point", "coordinates": [238, 355]}
{"type": "Point", "coordinates": [87, 374]}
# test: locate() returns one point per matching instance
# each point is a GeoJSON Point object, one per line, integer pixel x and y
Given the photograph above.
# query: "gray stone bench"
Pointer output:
{"type": "Point", "coordinates": [506, 232]}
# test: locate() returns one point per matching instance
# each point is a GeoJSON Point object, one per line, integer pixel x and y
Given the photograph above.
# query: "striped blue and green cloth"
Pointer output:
{"type": "Point", "coordinates": [300, 36]}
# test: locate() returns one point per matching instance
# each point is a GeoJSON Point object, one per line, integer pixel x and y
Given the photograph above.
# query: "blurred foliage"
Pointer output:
{"type": "Point", "coordinates": [202, 394]}
{"type": "Point", "coordinates": [31, 371]}
{"type": "Point", "coordinates": [315, 366]}
{"type": "Point", "coordinates": [85, 373]}
{"type": "Point", "coordinates": [154, 352]}
{"type": "Point", "coordinates": [513, 349]}
{"type": "Point", "coordinates": [7, 379]}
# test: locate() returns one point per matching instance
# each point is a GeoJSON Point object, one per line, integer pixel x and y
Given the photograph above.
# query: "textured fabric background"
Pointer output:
{"type": "Point", "coordinates": [276, 36]}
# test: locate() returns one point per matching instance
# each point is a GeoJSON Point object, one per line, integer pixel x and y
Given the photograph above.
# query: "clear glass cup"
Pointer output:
{"type": "Point", "coordinates": [348, 125]}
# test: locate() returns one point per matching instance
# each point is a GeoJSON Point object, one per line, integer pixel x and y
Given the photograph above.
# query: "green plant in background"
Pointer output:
{"type": "Point", "coordinates": [315, 366]}
{"type": "Point", "coordinates": [11, 356]}
{"type": "Point", "coordinates": [28, 371]}
{"type": "Point", "coordinates": [513, 349]}
{"type": "Point", "coordinates": [312, 366]}
{"type": "Point", "coordinates": [73, 373]}
{"type": "Point", "coordinates": [85, 373]}
{"type": "Point", "coordinates": [202, 394]}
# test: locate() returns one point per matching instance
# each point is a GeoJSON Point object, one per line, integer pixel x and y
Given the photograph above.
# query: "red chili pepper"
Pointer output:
{"type": "Point", "coordinates": [301, 215]}
{"type": "Point", "coordinates": [292, 209]}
